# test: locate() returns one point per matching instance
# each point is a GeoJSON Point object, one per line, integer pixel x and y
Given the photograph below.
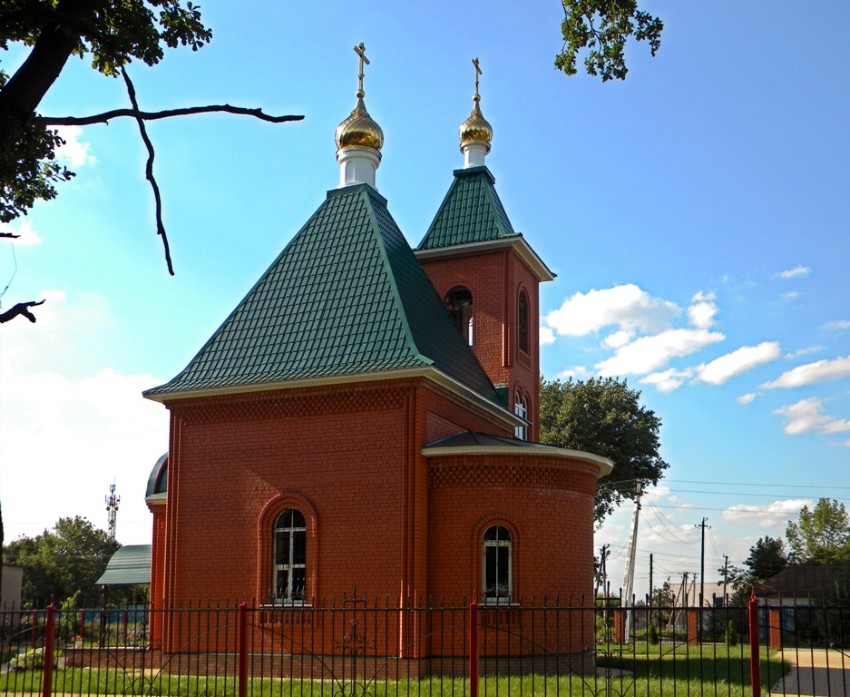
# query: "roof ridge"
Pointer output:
{"type": "Point", "coordinates": [393, 281]}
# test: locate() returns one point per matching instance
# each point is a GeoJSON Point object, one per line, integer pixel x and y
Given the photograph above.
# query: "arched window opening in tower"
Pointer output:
{"type": "Point", "coordinates": [523, 328]}
{"type": "Point", "coordinates": [459, 304]}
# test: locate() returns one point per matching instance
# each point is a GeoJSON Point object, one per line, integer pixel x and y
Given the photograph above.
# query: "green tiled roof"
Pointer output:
{"type": "Point", "coordinates": [345, 297]}
{"type": "Point", "coordinates": [471, 212]}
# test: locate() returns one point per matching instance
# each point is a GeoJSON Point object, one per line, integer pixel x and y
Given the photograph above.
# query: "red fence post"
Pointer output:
{"type": "Point", "coordinates": [242, 657]}
{"type": "Point", "coordinates": [473, 649]}
{"type": "Point", "coordinates": [49, 638]}
{"type": "Point", "coordinates": [755, 666]}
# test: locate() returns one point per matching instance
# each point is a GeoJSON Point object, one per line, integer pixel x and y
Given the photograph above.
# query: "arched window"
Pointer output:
{"type": "Point", "coordinates": [521, 410]}
{"type": "Point", "coordinates": [290, 557]}
{"type": "Point", "coordinates": [459, 304]}
{"type": "Point", "coordinates": [497, 565]}
{"type": "Point", "coordinates": [523, 326]}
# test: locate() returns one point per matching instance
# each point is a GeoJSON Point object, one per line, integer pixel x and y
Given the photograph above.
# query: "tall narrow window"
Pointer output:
{"type": "Point", "coordinates": [498, 577]}
{"type": "Point", "coordinates": [521, 410]}
{"type": "Point", "coordinates": [523, 328]}
{"type": "Point", "coordinates": [290, 557]}
{"type": "Point", "coordinates": [459, 304]}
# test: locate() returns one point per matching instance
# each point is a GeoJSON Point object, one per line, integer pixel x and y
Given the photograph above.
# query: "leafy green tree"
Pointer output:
{"type": "Point", "coordinates": [603, 27]}
{"type": "Point", "coordinates": [62, 563]}
{"type": "Point", "coordinates": [767, 558]}
{"type": "Point", "coordinates": [820, 536]}
{"type": "Point", "coordinates": [113, 33]}
{"type": "Point", "coordinates": [605, 417]}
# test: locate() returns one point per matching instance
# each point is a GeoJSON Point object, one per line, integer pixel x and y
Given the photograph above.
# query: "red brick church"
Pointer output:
{"type": "Point", "coordinates": [365, 419]}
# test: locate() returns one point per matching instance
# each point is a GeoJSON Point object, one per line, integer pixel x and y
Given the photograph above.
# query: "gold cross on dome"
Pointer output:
{"type": "Point", "coordinates": [360, 50]}
{"type": "Point", "coordinates": [477, 73]}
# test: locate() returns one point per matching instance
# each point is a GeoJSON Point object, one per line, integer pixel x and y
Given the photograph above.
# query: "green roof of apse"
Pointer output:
{"type": "Point", "coordinates": [471, 212]}
{"type": "Point", "coordinates": [345, 297]}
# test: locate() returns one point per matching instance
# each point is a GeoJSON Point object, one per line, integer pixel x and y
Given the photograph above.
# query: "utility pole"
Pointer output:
{"type": "Point", "coordinates": [112, 502]}
{"type": "Point", "coordinates": [702, 526]}
{"type": "Point", "coordinates": [628, 582]}
{"type": "Point", "coordinates": [725, 576]}
{"type": "Point", "coordinates": [650, 581]}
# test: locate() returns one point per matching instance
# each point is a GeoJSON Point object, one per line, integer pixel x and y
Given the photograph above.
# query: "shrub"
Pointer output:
{"type": "Point", "coordinates": [28, 660]}
{"type": "Point", "coordinates": [652, 634]}
{"type": "Point", "coordinates": [731, 634]}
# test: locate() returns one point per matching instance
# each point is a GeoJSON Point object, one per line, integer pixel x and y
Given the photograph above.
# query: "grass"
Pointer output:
{"type": "Point", "coordinates": [624, 671]}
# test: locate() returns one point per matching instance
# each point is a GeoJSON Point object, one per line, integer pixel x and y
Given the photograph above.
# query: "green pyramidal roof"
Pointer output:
{"type": "Point", "coordinates": [471, 212]}
{"type": "Point", "coordinates": [345, 297]}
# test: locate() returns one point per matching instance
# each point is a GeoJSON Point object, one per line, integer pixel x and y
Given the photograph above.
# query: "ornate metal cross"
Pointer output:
{"type": "Point", "coordinates": [360, 50]}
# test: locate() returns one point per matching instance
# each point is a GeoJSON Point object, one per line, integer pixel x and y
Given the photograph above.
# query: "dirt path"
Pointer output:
{"type": "Point", "coordinates": [821, 672]}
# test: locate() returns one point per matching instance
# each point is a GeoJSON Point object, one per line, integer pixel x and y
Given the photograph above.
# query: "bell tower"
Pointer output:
{"type": "Point", "coordinates": [488, 275]}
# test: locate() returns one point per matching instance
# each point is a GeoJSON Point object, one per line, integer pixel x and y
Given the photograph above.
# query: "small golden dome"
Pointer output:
{"type": "Point", "coordinates": [359, 130]}
{"type": "Point", "coordinates": [476, 129]}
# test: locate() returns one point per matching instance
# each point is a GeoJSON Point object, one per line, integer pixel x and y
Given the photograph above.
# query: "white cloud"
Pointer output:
{"type": "Point", "coordinates": [625, 306]}
{"type": "Point", "coordinates": [837, 325]}
{"type": "Point", "coordinates": [790, 295]}
{"type": "Point", "coordinates": [796, 272]}
{"type": "Point", "coordinates": [702, 310]}
{"type": "Point", "coordinates": [26, 235]}
{"type": "Point", "coordinates": [547, 336]}
{"type": "Point", "coordinates": [739, 361]}
{"type": "Point", "coordinates": [807, 416]}
{"type": "Point", "coordinates": [648, 353]}
{"type": "Point", "coordinates": [811, 373]}
{"type": "Point", "coordinates": [804, 351]}
{"type": "Point", "coordinates": [71, 426]}
{"type": "Point", "coordinates": [668, 380]}
{"type": "Point", "coordinates": [75, 152]}
{"type": "Point", "coordinates": [577, 372]}
{"type": "Point", "coordinates": [769, 515]}
{"type": "Point", "coordinates": [747, 398]}
{"type": "Point", "coordinates": [617, 339]}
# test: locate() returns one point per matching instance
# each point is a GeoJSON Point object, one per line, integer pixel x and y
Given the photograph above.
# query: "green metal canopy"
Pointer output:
{"type": "Point", "coordinates": [128, 566]}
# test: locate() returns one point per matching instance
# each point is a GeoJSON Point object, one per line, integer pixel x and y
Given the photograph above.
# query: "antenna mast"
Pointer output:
{"type": "Point", "coordinates": [112, 501]}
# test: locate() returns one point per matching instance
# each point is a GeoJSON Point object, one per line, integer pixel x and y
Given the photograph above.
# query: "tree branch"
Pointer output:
{"type": "Point", "coordinates": [20, 309]}
{"type": "Point", "coordinates": [9, 234]}
{"type": "Point", "coordinates": [167, 113]}
{"type": "Point", "coordinates": [160, 227]}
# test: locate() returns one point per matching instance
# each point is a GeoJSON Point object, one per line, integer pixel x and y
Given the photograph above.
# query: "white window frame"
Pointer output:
{"type": "Point", "coordinates": [287, 535]}
{"type": "Point", "coordinates": [503, 540]}
{"type": "Point", "coordinates": [521, 410]}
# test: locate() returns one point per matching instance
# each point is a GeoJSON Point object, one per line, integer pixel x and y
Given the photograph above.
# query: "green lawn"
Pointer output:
{"type": "Point", "coordinates": [623, 671]}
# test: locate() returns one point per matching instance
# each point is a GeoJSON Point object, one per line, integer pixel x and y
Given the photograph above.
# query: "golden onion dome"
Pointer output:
{"type": "Point", "coordinates": [359, 130]}
{"type": "Point", "coordinates": [476, 129]}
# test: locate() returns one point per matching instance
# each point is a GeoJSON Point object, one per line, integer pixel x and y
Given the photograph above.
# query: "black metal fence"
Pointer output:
{"type": "Point", "coordinates": [357, 647]}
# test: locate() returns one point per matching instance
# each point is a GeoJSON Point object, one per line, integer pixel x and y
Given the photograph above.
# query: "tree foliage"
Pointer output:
{"type": "Point", "coordinates": [767, 558]}
{"type": "Point", "coordinates": [605, 417]}
{"type": "Point", "coordinates": [603, 27]}
{"type": "Point", "coordinates": [112, 33]}
{"type": "Point", "coordinates": [820, 536]}
{"type": "Point", "coordinates": [62, 563]}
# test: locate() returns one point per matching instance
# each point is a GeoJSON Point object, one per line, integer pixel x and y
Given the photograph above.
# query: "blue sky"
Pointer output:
{"type": "Point", "coordinates": [696, 215]}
